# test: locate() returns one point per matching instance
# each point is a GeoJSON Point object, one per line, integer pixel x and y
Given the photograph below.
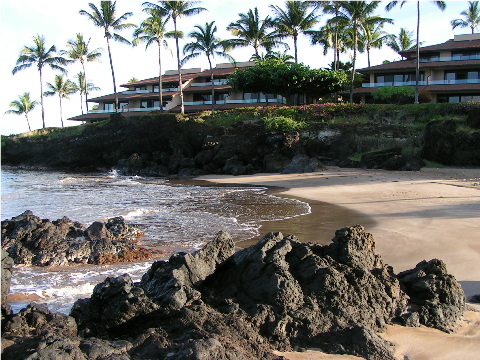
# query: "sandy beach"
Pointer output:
{"type": "Point", "coordinates": [413, 216]}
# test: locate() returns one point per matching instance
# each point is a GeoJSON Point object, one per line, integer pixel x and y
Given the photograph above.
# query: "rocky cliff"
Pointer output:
{"type": "Point", "coordinates": [220, 304]}
{"type": "Point", "coordinates": [159, 145]}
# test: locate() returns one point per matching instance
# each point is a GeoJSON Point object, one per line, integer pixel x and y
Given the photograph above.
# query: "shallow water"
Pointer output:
{"type": "Point", "coordinates": [178, 216]}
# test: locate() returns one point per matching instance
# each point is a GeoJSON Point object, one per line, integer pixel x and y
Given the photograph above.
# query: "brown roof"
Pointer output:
{"type": "Point", "coordinates": [103, 116]}
{"type": "Point", "coordinates": [410, 65]}
{"type": "Point", "coordinates": [448, 45]}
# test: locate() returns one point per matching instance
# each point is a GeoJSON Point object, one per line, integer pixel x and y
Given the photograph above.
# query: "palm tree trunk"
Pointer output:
{"type": "Point", "coordinates": [61, 112]}
{"type": "Point", "coordinates": [160, 86]}
{"type": "Point", "coordinates": [368, 55]}
{"type": "Point", "coordinates": [417, 68]}
{"type": "Point", "coordinates": [113, 75]}
{"type": "Point", "coordinates": [211, 80]}
{"type": "Point", "coordinates": [295, 47]}
{"type": "Point", "coordinates": [179, 67]}
{"type": "Point", "coordinates": [28, 122]}
{"type": "Point", "coordinates": [86, 85]}
{"type": "Point", "coordinates": [41, 97]}
{"type": "Point", "coordinates": [81, 102]}
{"type": "Point", "coordinates": [355, 35]}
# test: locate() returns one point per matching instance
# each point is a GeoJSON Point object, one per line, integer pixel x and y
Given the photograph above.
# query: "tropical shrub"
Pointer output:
{"type": "Point", "coordinates": [399, 95]}
{"type": "Point", "coordinates": [284, 124]}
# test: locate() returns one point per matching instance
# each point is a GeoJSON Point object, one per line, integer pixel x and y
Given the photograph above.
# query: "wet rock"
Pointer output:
{"type": "Point", "coordinates": [7, 265]}
{"type": "Point", "coordinates": [30, 240]}
{"type": "Point", "coordinates": [277, 294]}
{"type": "Point", "coordinates": [434, 294]}
{"type": "Point", "coordinates": [273, 163]}
{"type": "Point", "coordinates": [475, 298]}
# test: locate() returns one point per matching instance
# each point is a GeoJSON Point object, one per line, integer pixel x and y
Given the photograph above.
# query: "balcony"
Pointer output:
{"type": "Point", "coordinates": [423, 83]}
{"type": "Point", "coordinates": [215, 82]}
{"type": "Point", "coordinates": [222, 102]}
{"type": "Point", "coordinates": [451, 58]}
{"type": "Point", "coordinates": [130, 92]}
{"type": "Point", "coordinates": [125, 110]}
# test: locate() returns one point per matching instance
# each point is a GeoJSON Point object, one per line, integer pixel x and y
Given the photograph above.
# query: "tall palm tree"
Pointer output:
{"type": "Point", "coordinates": [334, 31]}
{"type": "Point", "coordinates": [23, 106]}
{"type": "Point", "coordinates": [296, 19]}
{"type": "Point", "coordinates": [374, 37]}
{"type": "Point", "coordinates": [251, 31]}
{"type": "Point", "coordinates": [176, 10]}
{"type": "Point", "coordinates": [40, 55]}
{"type": "Point", "coordinates": [357, 15]}
{"type": "Point", "coordinates": [441, 5]}
{"type": "Point", "coordinates": [84, 87]}
{"type": "Point", "coordinates": [153, 30]}
{"type": "Point", "coordinates": [63, 88]}
{"type": "Point", "coordinates": [206, 43]}
{"type": "Point", "coordinates": [471, 17]}
{"type": "Point", "coordinates": [106, 18]}
{"type": "Point", "coordinates": [78, 50]}
{"type": "Point", "coordinates": [402, 42]}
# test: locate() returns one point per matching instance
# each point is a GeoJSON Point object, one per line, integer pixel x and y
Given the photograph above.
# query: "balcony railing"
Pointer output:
{"type": "Point", "coordinates": [451, 58]}
{"type": "Point", "coordinates": [129, 92]}
{"type": "Point", "coordinates": [209, 83]}
{"type": "Point", "coordinates": [222, 102]}
{"type": "Point", "coordinates": [423, 83]}
{"type": "Point", "coordinates": [125, 110]}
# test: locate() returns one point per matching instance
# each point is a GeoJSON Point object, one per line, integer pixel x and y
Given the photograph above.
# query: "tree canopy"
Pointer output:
{"type": "Point", "coordinates": [276, 77]}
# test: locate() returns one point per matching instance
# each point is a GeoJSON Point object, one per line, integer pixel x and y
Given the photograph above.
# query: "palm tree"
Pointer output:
{"type": "Point", "coordinates": [441, 5]}
{"type": "Point", "coordinates": [374, 37]}
{"type": "Point", "coordinates": [402, 42]}
{"type": "Point", "coordinates": [40, 55]}
{"type": "Point", "coordinates": [333, 31]}
{"type": "Point", "coordinates": [295, 20]}
{"type": "Point", "coordinates": [63, 88]}
{"type": "Point", "coordinates": [357, 15]}
{"type": "Point", "coordinates": [106, 18]}
{"type": "Point", "coordinates": [84, 87]}
{"type": "Point", "coordinates": [153, 30]}
{"type": "Point", "coordinates": [176, 10]}
{"type": "Point", "coordinates": [23, 106]}
{"type": "Point", "coordinates": [206, 43]}
{"type": "Point", "coordinates": [251, 31]}
{"type": "Point", "coordinates": [471, 17]}
{"type": "Point", "coordinates": [78, 50]}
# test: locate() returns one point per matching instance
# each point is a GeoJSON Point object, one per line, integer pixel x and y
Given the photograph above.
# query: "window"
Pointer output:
{"type": "Point", "coordinates": [140, 88]}
{"type": "Point", "coordinates": [109, 106]}
{"type": "Point", "coordinates": [397, 79]}
{"type": "Point", "coordinates": [202, 97]}
{"type": "Point", "coordinates": [123, 105]}
{"type": "Point", "coordinates": [147, 104]}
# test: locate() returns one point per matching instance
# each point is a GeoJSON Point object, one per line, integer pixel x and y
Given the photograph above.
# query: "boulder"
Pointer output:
{"type": "Point", "coordinates": [220, 304]}
{"type": "Point", "coordinates": [302, 163]}
{"type": "Point", "coordinates": [435, 295]}
{"type": "Point", "coordinates": [6, 275]}
{"type": "Point", "coordinates": [30, 240]}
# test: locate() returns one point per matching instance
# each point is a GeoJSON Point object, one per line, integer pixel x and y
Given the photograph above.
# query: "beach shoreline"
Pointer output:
{"type": "Point", "coordinates": [432, 213]}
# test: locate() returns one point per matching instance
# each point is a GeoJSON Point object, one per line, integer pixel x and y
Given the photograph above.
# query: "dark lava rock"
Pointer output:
{"type": "Point", "coordinates": [220, 304]}
{"type": "Point", "coordinates": [30, 240]}
{"type": "Point", "coordinates": [7, 265]}
{"type": "Point", "coordinates": [302, 163]}
{"type": "Point", "coordinates": [475, 298]}
{"type": "Point", "coordinates": [434, 294]}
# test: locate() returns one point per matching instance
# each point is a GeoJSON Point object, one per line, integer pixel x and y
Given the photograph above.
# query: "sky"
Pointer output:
{"type": "Point", "coordinates": [59, 21]}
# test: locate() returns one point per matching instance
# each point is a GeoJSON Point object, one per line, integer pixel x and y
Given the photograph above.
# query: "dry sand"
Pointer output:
{"type": "Point", "coordinates": [413, 216]}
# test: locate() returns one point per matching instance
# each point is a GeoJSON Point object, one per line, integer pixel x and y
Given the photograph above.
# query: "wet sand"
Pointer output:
{"type": "Point", "coordinates": [433, 213]}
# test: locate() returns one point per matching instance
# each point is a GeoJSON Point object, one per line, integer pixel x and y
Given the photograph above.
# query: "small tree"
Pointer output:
{"type": "Point", "coordinates": [63, 88]}
{"type": "Point", "coordinates": [286, 79]}
{"type": "Point", "coordinates": [23, 106]}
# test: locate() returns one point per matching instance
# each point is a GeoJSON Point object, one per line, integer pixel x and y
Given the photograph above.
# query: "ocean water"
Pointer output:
{"type": "Point", "coordinates": [177, 215]}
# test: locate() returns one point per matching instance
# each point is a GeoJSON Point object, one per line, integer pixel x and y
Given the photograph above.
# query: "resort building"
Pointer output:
{"type": "Point", "coordinates": [449, 72]}
{"type": "Point", "coordinates": [143, 96]}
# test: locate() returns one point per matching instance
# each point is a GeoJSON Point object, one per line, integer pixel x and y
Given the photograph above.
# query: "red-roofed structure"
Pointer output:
{"type": "Point", "coordinates": [449, 72]}
{"type": "Point", "coordinates": [142, 97]}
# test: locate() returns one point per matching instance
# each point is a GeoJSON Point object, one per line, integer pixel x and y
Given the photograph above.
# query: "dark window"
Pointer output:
{"type": "Point", "coordinates": [109, 106]}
